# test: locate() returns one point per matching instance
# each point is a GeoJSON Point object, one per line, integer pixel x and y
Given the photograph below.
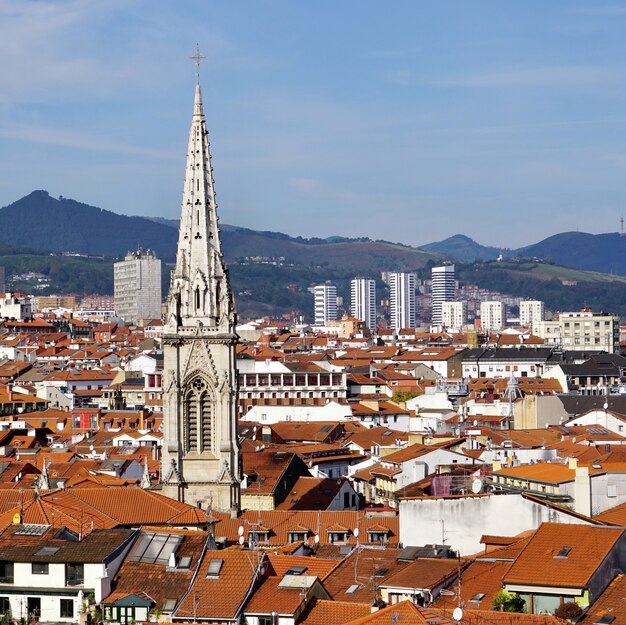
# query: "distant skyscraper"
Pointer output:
{"type": "Point", "coordinates": [402, 300]}
{"type": "Point", "coordinates": [363, 301]}
{"type": "Point", "coordinates": [442, 289]}
{"type": "Point", "coordinates": [137, 287]}
{"type": "Point", "coordinates": [325, 303]}
{"type": "Point", "coordinates": [530, 312]}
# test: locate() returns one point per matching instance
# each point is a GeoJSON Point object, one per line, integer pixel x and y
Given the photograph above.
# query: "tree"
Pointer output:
{"type": "Point", "coordinates": [402, 396]}
{"type": "Point", "coordinates": [569, 611]}
{"type": "Point", "coordinates": [508, 602]}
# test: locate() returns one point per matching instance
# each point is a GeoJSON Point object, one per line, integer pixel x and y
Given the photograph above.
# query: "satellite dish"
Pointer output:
{"type": "Point", "coordinates": [240, 530]}
{"type": "Point", "coordinates": [457, 614]}
{"type": "Point", "coordinates": [356, 532]}
{"type": "Point", "coordinates": [316, 539]}
{"type": "Point", "coordinates": [606, 405]}
{"type": "Point", "coordinates": [477, 486]}
{"type": "Point", "coordinates": [241, 541]}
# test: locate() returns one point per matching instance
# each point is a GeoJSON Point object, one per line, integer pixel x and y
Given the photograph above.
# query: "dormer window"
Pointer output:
{"type": "Point", "coordinates": [258, 536]}
{"type": "Point", "coordinates": [296, 537]}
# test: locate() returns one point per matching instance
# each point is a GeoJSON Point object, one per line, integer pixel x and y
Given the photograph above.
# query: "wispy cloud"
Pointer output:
{"type": "Point", "coordinates": [549, 76]}
{"type": "Point", "coordinates": [68, 139]}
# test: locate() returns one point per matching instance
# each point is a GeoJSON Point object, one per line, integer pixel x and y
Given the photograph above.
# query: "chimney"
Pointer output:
{"type": "Point", "coordinates": [582, 491]}
{"type": "Point", "coordinates": [572, 463]}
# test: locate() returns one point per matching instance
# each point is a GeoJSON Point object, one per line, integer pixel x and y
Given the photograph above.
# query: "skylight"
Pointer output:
{"type": "Point", "coordinates": [479, 596]}
{"type": "Point", "coordinates": [185, 562]}
{"type": "Point", "coordinates": [215, 566]}
{"type": "Point", "coordinates": [352, 589]}
{"type": "Point", "coordinates": [169, 605]}
{"type": "Point", "coordinates": [606, 619]}
{"type": "Point", "coordinates": [47, 551]}
{"type": "Point", "coordinates": [564, 552]}
{"type": "Point", "coordinates": [296, 570]}
{"type": "Point", "coordinates": [155, 548]}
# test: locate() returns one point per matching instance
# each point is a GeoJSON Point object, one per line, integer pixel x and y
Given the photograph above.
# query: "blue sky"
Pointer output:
{"type": "Point", "coordinates": [408, 121]}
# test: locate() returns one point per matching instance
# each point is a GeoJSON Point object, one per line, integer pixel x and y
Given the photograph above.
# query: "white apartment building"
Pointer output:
{"type": "Point", "coordinates": [138, 287]}
{"type": "Point", "coordinates": [530, 312]}
{"type": "Point", "coordinates": [363, 301]}
{"type": "Point", "coordinates": [492, 315]}
{"type": "Point", "coordinates": [402, 300]}
{"type": "Point", "coordinates": [453, 315]}
{"type": "Point", "coordinates": [589, 331]}
{"type": "Point", "coordinates": [442, 290]}
{"type": "Point", "coordinates": [549, 331]}
{"type": "Point", "coordinates": [325, 301]}
{"type": "Point", "coordinates": [15, 306]}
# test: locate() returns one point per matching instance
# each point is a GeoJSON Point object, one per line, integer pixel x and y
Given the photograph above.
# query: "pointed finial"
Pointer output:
{"type": "Point", "coordinates": [198, 58]}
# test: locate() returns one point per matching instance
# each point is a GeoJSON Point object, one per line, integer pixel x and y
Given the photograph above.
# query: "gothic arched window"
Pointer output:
{"type": "Point", "coordinates": [198, 421]}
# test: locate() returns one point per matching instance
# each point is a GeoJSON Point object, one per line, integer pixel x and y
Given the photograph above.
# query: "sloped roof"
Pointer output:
{"type": "Point", "coordinates": [541, 563]}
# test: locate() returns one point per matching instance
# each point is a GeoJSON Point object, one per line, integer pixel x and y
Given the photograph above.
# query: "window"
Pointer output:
{"type": "Point", "coordinates": [67, 608]}
{"type": "Point", "coordinates": [74, 574]}
{"type": "Point", "coordinates": [5, 606]}
{"type": "Point", "coordinates": [564, 552]}
{"type": "Point", "coordinates": [6, 572]}
{"type": "Point", "coordinates": [39, 568]}
{"type": "Point", "coordinates": [215, 566]}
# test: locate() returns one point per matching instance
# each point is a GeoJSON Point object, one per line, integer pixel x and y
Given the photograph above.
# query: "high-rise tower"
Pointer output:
{"type": "Point", "coordinates": [442, 288]}
{"type": "Point", "coordinates": [402, 300]}
{"type": "Point", "coordinates": [325, 300]}
{"type": "Point", "coordinates": [201, 457]}
{"type": "Point", "coordinates": [363, 301]}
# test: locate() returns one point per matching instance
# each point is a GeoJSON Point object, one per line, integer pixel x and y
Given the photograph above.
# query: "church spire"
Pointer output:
{"type": "Point", "coordinates": [201, 458]}
{"type": "Point", "coordinates": [200, 293]}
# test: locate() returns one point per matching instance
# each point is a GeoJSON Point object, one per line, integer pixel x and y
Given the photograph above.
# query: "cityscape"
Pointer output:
{"type": "Point", "coordinates": [209, 423]}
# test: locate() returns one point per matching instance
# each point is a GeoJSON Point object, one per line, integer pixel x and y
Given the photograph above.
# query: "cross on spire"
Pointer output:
{"type": "Point", "coordinates": [198, 58]}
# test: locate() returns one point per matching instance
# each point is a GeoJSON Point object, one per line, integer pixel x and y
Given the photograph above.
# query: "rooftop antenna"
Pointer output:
{"type": "Point", "coordinates": [621, 226]}
{"type": "Point", "coordinates": [197, 58]}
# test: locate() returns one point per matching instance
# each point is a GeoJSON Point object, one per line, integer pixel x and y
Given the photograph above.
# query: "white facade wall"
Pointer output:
{"type": "Point", "coordinates": [325, 300]}
{"type": "Point", "coordinates": [492, 315]}
{"type": "Point", "coordinates": [585, 330]}
{"type": "Point", "coordinates": [363, 301]}
{"type": "Point", "coordinates": [331, 411]}
{"type": "Point", "coordinates": [18, 308]}
{"type": "Point", "coordinates": [466, 519]}
{"type": "Point", "coordinates": [531, 312]}
{"type": "Point", "coordinates": [442, 290]}
{"type": "Point", "coordinates": [402, 300]}
{"type": "Point", "coordinates": [453, 315]}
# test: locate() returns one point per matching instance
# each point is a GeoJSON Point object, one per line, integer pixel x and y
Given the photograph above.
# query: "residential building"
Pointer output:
{"type": "Point", "coordinates": [531, 312]}
{"type": "Point", "coordinates": [566, 564]}
{"type": "Point", "coordinates": [138, 287]}
{"type": "Point", "coordinates": [453, 315]}
{"type": "Point", "coordinates": [15, 306]}
{"type": "Point", "coordinates": [47, 572]}
{"type": "Point", "coordinates": [363, 301]}
{"type": "Point", "coordinates": [402, 300]}
{"type": "Point", "coordinates": [587, 330]}
{"type": "Point", "coordinates": [492, 315]}
{"type": "Point", "coordinates": [325, 302]}
{"type": "Point", "coordinates": [442, 290]}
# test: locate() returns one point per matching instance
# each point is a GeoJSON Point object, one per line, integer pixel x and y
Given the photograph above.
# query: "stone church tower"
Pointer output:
{"type": "Point", "coordinates": [201, 457]}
